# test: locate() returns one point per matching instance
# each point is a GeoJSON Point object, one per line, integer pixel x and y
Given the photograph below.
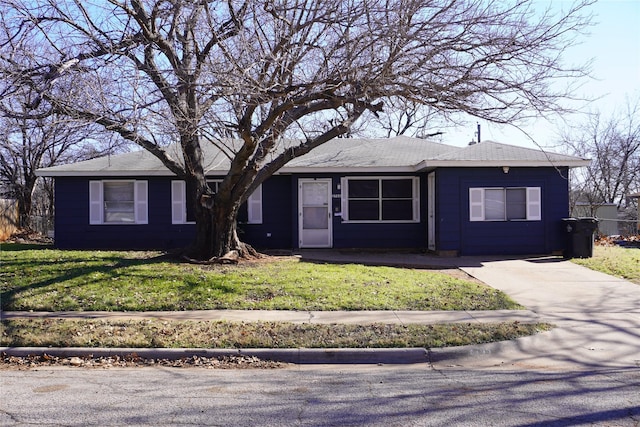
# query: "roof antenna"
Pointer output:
{"type": "Point", "coordinates": [477, 134]}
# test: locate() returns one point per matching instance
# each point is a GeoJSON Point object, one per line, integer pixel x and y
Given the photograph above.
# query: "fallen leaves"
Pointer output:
{"type": "Point", "coordinates": [226, 334]}
{"type": "Point", "coordinates": [134, 361]}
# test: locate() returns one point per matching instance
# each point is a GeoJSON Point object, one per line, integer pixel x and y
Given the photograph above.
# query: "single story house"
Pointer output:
{"type": "Point", "coordinates": [400, 193]}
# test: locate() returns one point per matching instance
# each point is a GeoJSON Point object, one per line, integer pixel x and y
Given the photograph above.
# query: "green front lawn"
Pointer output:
{"type": "Point", "coordinates": [55, 280]}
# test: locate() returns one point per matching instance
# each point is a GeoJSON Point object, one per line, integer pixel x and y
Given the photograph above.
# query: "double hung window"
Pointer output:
{"type": "Point", "coordinates": [182, 207]}
{"type": "Point", "coordinates": [118, 202]}
{"type": "Point", "coordinates": [505, 204]}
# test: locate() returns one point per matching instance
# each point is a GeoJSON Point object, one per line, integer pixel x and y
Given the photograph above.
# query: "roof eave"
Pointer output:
{"type": "Point", "coordinates": [344, 169]}
{"type": "Point", "coordinates": [422, 166]}
{"type": "Point", "coordinates": [46, 173]}
{"type": "Point", "coordinates": [500, 163]}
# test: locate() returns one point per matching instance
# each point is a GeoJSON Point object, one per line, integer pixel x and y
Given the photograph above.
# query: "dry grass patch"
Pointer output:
{"type": "Point", "coordinates": [221, 334]}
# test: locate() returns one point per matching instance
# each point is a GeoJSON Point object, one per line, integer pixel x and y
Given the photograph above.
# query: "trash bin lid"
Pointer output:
{"type": "Point", "coordinates": [588, 219]}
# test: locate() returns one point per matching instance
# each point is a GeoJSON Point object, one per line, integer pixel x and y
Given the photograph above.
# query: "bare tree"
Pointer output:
{"type": "Point", "coordinates": [34, 136]}
{"type": "Point", "coordinates": [198, 72]}
{"type": "Point", "coordinates": [614, 145]}
{"type": "Point", "coordinates": [27, 144]}
{"type": "Point", "coordinates": [404, 117]}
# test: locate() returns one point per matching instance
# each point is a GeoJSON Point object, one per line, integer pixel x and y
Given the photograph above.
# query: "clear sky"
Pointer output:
{"type": "Point", "coordinates": [613, 43]}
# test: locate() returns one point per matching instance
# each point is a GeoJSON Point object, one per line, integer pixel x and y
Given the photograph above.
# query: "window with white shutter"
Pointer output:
{"type": "Point", "coordinates": [505, 204]}
{"type": "Point", "coordinates": [178, 206]}
{"type": "Point", "coordinates": [95, 202]}
{"type": "Point", "coordinates": [182, 213]}
{"type": "Point", "coordinates": [476, 204]}
{"type": "Point", "coordinates": [254, 206]}
{"type": "Point", "coordinates": [534, 204]}
{"type": "Point", "coordinates": [118, 202]}
{"type": "Point", "coordinates": [141, 197]}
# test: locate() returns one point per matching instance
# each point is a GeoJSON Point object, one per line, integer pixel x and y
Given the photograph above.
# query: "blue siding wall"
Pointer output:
{"type": "Point", "coordinates": [275, 230]}
{"type": "Point", "coordinates": [368, 235]}
{"type": "Point", "coordinates": [72, 229]}
{"type": "Point", "coordinates": [454, 231]}
{"type": "Point", "coordinates": [279, 230]}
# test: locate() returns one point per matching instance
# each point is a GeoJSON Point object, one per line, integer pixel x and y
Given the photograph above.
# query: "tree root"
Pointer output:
{"type": "Point", "coordinates": [244, 252]}
{"type": "Point", "coordinates": [248, 251]}
{"type": "Point", "coordinates": [231, 257]}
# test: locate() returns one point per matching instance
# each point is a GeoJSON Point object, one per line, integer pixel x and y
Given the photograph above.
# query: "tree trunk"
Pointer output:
{"type": "Point", "coordinates": [25, 202]}
{"type": "Point", "coordinates": [225, 230]}
{"type": "Point", "coordinates": [202, 245]}
{"type": "Point", "coordinates": [24, 209]}
{"type": "Point", "coordinates": [216, 227]}
{"type": "Point", "coordinates": [225, 238]}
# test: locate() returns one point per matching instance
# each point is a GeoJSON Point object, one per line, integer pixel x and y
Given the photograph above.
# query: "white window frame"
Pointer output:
{"type": "Point", "coordinates": [344, 196]}
{"type": "Point", "coordinates": [97, 202]}
{"type": "Point", "coordinates": [477, 204]}
{"type": "Point", "coordinates": [179, 203]}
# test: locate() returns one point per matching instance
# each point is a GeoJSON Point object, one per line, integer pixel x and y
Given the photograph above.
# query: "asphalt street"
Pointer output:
{"type": "Point", "coordinates": [337, 395]}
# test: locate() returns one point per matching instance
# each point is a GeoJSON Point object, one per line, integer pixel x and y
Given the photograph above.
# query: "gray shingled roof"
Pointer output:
{"type": "Point", "coordinates": [119, 164]}
{"type": "Point", "coordinates": [490, 151]}
{"type": "Point", "coordinates": [399, 154]}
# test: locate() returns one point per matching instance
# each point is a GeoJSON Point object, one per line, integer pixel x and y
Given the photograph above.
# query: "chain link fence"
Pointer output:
{"type": "Point", "coordinates": [611, 221]}
{"type": "Point", "coordinates": [618, 227]}
{"type": "Point", "coordinates": [42, 225]}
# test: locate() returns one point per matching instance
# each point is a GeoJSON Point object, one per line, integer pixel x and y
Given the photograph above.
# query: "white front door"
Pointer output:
{"type": "Point", "coordinates": [431, 211]}
{"type": "Point", "coordinates": [314, 213]}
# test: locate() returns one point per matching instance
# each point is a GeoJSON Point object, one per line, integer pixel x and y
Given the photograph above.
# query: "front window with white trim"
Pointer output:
{"type": "Point", "coordinates": [118, 202]}
{"type": "Point", "coordinates": [380, 199]}
{"type": "Point", "coordinates": [182, 210]}
{"type": "Point", "coordinates": [505, 204]}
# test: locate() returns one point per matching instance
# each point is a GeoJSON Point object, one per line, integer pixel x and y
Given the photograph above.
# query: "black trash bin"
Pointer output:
{"type": "Point", "coordinates": [580, 232]}
{"type": "Point", "coordinates": [569, 227]}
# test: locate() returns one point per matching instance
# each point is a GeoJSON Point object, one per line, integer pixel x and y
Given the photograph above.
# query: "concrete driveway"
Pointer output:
{"type": "Point", "coordinates": [597, 316]}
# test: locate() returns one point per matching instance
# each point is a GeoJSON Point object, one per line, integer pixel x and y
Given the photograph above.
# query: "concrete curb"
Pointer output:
{"type": "Point", "coordinates": [300, 356]}
{"type": "Point", "coordinates": [490, 354]}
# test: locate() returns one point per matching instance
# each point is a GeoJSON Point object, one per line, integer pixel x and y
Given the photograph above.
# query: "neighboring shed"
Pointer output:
{"type": "Point", "coordinates": [607, 214]}
{"type": "Point", "coordinates": [637, 197]}
{"type": "Point", "coordinates": [488, 198]}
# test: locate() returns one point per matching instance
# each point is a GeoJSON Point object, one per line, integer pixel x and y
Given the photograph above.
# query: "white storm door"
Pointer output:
{"type": "Point", "coordinates": [431, 211]}
{"type": "Point", "coordinates": [314, 213]}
